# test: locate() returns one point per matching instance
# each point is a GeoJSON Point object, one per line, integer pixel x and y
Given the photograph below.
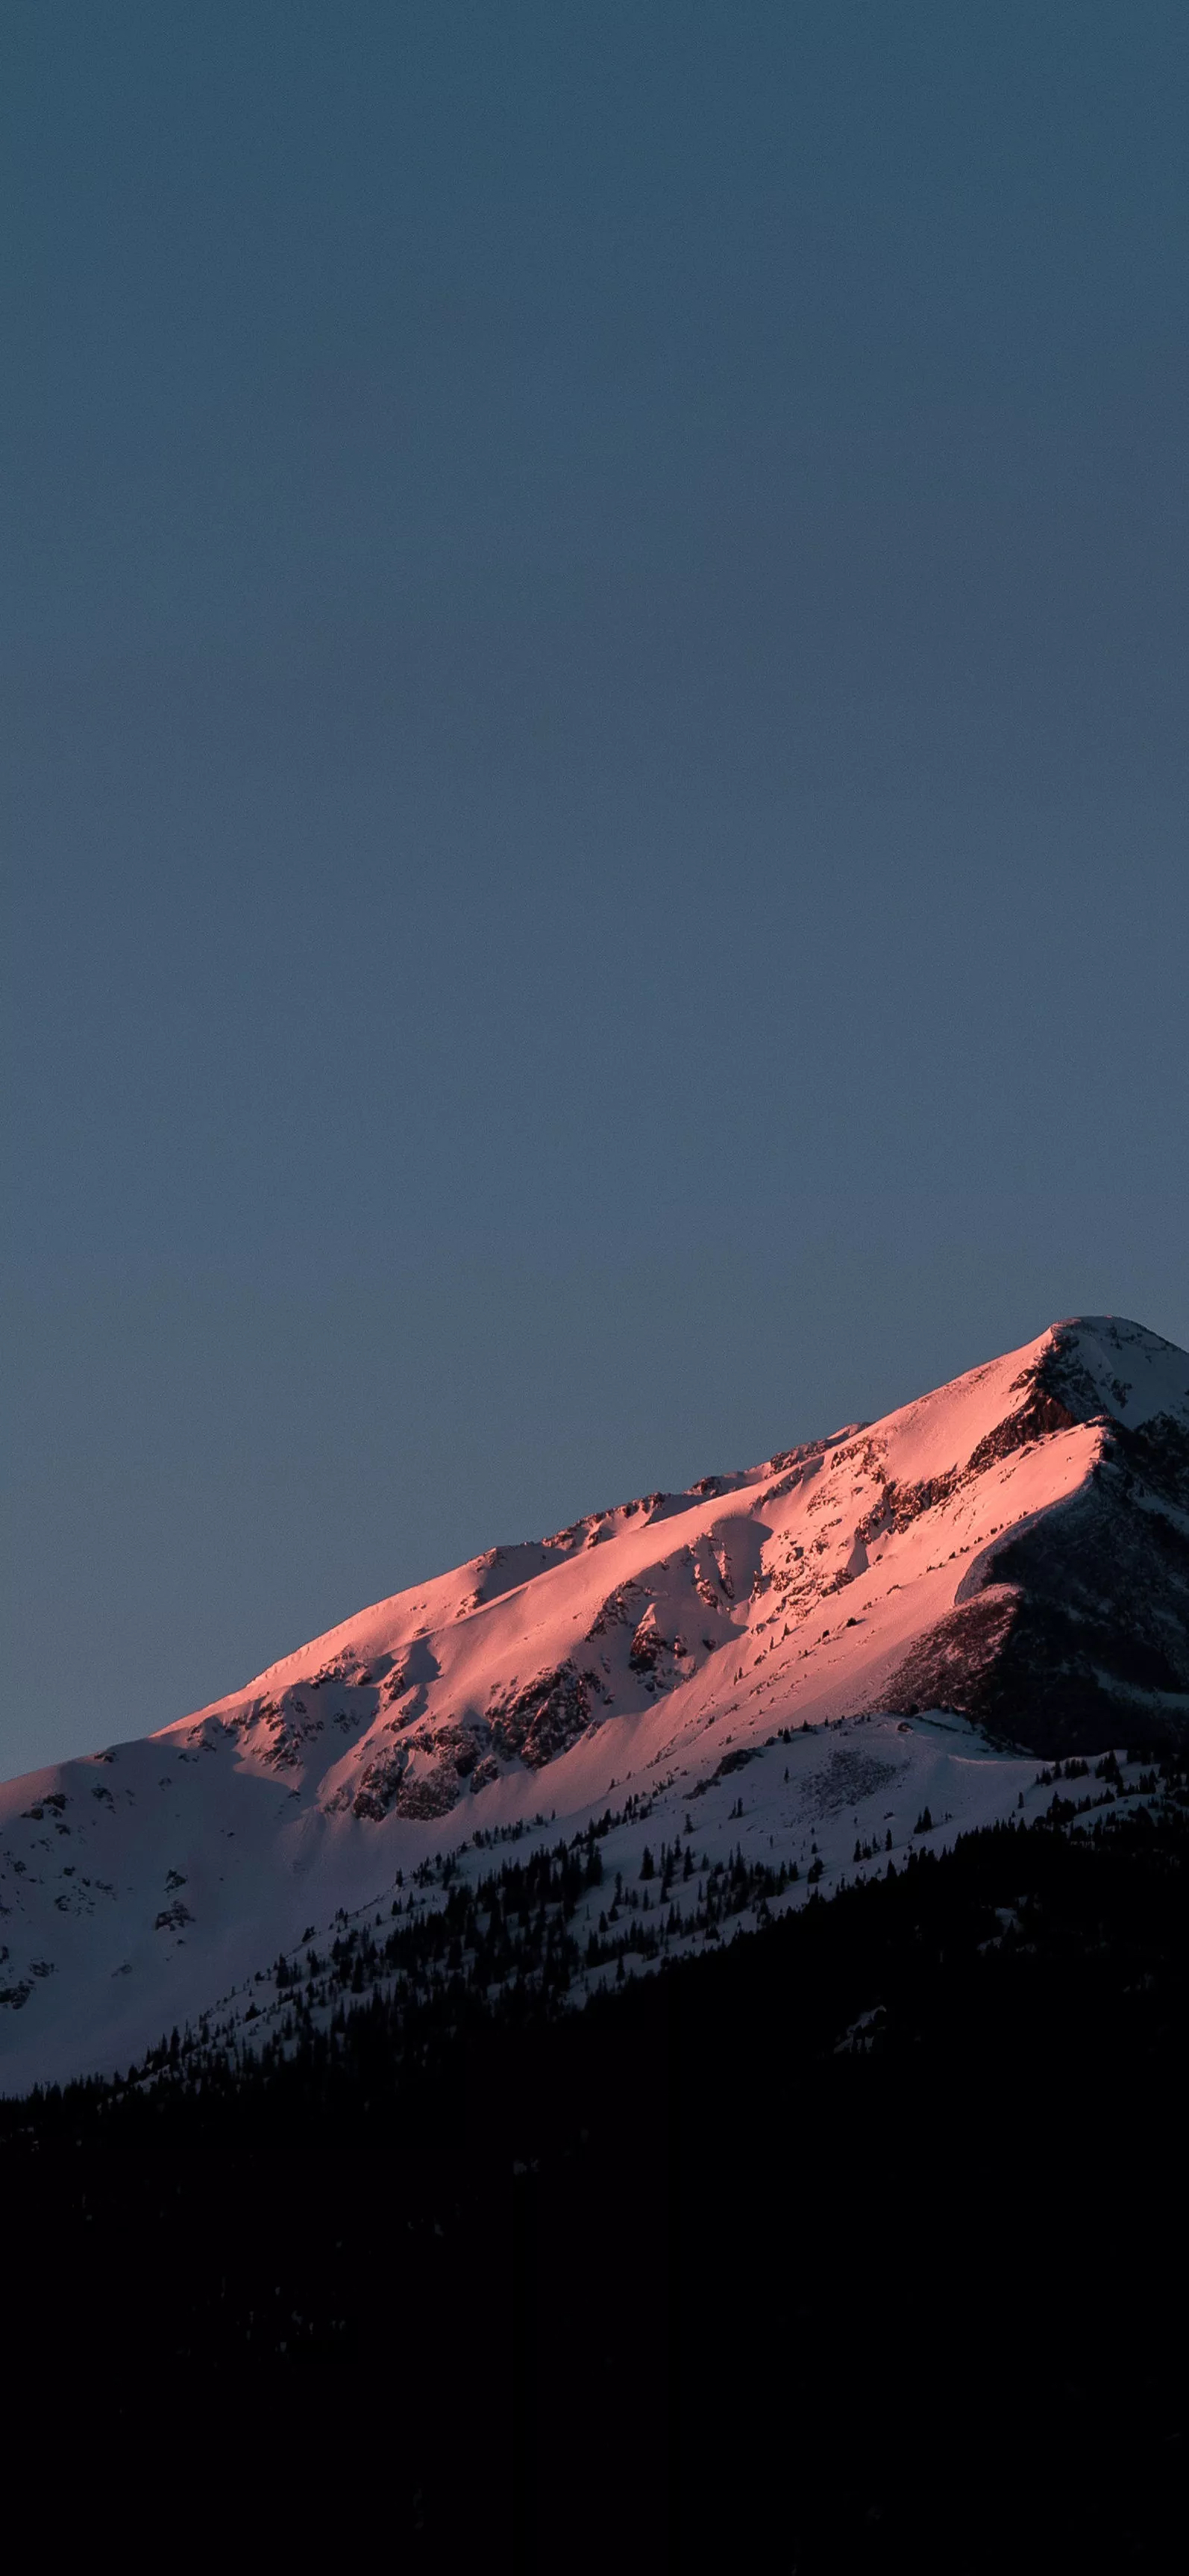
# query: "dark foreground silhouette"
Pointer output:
{"type": "Point", "coordinates": [857, 2243]}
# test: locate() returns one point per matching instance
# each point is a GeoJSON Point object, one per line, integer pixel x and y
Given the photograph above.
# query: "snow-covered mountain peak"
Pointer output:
{"type": "Point", "coordinates": [1013, 1546]}
{"type": "Point", "coordinates": [1104, 1364]}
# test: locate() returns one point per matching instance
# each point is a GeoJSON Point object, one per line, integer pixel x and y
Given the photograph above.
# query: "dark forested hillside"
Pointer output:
{"type": "Point", "coordinates": [856, 2241]}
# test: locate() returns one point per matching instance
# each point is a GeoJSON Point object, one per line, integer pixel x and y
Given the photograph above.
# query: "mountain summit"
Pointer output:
{"type": "Point", "coordinates": [1000, 1569]}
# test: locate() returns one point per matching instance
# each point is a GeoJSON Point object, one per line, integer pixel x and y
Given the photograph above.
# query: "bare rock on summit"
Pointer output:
{"type": "Point", "coordinates": [1071, 1631]}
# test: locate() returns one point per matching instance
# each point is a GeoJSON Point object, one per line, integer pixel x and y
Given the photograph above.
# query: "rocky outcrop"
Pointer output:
{"type": "Point", "coordinates": [1073, 1631]}
{"type": "Point", "coordinates": [545, 1717]}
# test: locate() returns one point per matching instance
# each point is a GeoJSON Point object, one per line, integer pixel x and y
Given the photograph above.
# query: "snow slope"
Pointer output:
{"type": "Point", "coordinates": [1014, 1546]}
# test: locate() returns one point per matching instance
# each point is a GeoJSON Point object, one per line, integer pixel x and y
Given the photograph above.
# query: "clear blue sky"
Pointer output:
{"type": "Point", "coordinates": [593, 770]}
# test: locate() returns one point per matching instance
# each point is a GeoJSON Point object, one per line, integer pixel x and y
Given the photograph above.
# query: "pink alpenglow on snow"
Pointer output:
{"type": "Point", "coordinates": [902, 1615]}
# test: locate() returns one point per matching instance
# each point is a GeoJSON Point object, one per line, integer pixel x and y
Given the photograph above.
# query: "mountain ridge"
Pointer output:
{"type": "Point", "coordinates": [996, 1570]}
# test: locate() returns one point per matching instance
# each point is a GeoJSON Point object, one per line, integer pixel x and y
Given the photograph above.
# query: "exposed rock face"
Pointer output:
{"type": "Point", "coordinates": [1073, 1631]}
{"type": "Point", "coordinates": [544, 1718]}
{"type": "Point", "coordinates": [425, 1771]}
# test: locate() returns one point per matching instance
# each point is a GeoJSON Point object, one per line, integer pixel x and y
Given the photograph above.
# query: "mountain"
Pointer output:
{"type": "Point", "coordinates": [867, 1637]}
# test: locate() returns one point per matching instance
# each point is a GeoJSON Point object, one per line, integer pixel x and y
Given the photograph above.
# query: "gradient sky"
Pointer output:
{"type": "Point", "coordinates": [593, 769]}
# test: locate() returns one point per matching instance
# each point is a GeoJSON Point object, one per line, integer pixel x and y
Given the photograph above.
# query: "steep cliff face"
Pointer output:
{"type": "Point", "coordinates": [1071, 1630]}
